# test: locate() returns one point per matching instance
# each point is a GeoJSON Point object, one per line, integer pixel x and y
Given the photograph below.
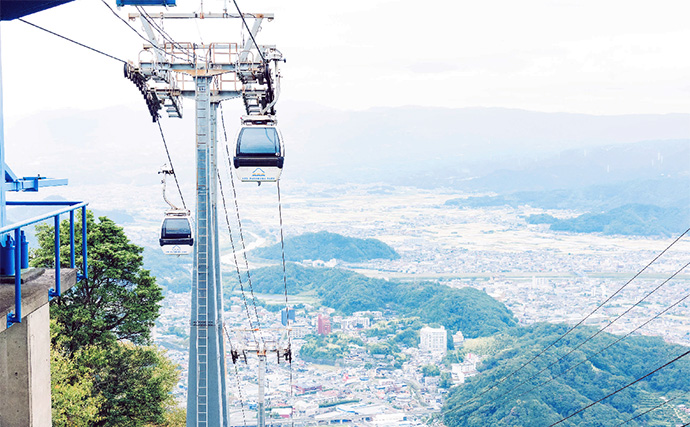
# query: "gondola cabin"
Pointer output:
{"type": "Point", "coordinates": [176, 233]}
{"type": "Point", "coordinates": [259, 153]}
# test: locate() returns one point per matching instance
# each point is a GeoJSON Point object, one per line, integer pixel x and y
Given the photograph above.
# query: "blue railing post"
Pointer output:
{"type": "Point", "coordinates": [20, 251]}
{"type": "Point", "coordinates": [17, 316]}
{"type": "Point", "coordinates": [71, 239]}
{"type": "Point", "coordinates": [83, 242]}
{"type": "Point", "coordinates": [56, 292]}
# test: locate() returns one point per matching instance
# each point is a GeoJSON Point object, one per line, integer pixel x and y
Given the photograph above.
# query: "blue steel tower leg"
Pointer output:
{"type": "Point", "coordinates": [205, 386]}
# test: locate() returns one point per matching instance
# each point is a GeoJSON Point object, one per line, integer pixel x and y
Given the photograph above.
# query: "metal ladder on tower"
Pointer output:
{"type": "Point", "coordinates": [202, 263]}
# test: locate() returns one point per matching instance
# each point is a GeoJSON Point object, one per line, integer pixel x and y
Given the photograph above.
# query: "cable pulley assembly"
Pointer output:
{"type": "Point", "coordinates": [153, 104]}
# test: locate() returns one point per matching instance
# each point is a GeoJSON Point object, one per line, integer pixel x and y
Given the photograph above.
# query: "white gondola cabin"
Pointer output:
{"type": "Point", "coordinates": [259, 153]}
{"type": "Point", "coordinates": [177, 236]}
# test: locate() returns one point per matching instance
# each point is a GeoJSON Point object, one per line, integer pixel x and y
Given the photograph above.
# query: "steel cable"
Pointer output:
{"type": "Point", "coordinates": [661, 313]}
{"type": "Point", "coordinates": [594, 335]}
{"type": "Point", "coordinates": [647, 411]}
{"type": "Point", "coordinates": [503, 379]}
{"type": "Point", "coordinates": [239, 223]}
{"type": "Point", "coordinates": [237, 378]}
{"type": "Point", "coordinates": [287, 308]}
{"type": "Point", "coordinates": [250, 32]}
{"type": "Point", "coordinates": [141, 36]}
{"type": "Point", "coordinates": [234, 254]}
{"type": "Point", "coordinates": [172, 168]}
{"type": "Point", "coordinates": [621, 389]}
{"type": "Point", "coordinates": [73, 41]}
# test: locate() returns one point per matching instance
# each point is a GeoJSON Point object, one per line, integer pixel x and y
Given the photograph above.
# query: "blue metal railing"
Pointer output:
{"type": "Point", "coordinates": [70, 207]}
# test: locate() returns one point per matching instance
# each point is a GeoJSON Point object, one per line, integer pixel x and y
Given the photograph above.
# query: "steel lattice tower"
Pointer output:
{"type": "Point", "coordinates": [164, 80]}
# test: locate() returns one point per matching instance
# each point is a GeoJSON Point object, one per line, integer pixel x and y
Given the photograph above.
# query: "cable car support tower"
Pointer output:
{"type": "Point", "coordinates": [209, 74]}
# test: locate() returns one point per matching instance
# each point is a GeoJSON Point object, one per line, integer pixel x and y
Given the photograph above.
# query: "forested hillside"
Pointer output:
{"type": "Point", "coordinates": [642, 220]}
{"type": "Point", "coordinates": [469, 310]}
{"type": "Point", "coordinates": [325, 246]}
{"type": "Point", "coordinates": [565, 392]}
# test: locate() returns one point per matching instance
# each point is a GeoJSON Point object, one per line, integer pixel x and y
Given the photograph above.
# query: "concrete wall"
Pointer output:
{"type": "Point", "coordinates": [25, 372]}
{"type": "Point", "coordinates": [25, 352]}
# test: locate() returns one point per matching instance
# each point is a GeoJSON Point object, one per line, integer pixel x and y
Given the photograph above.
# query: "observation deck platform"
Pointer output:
{"type": "Point", "coordinates": [36, 282]}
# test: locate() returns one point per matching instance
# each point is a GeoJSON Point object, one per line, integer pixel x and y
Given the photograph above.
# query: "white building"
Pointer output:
{"type": "Point", "coordinates": [433, 339]}
{"type": "Point", "coordinates": [355, 322]}
{"type": "Point", "coordinates": [301, 330]}
{"type": "Point", "coordinates": [457, 373]}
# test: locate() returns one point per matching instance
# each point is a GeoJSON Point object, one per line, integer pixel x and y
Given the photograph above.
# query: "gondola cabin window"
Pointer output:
{"type": "Point", "coordinates": [260, 140]}
{"type": "Point", "coordinates": [176, 228]}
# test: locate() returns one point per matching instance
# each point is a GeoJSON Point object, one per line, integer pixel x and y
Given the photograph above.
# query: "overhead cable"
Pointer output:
{"type": "Point", "coordinates": [125, 22]}
{"type": "Point", "coordinates": [503, 379]}
{"type": "Point", "coordinates": [263, 59]}
{"type": "Point", "coordinates": [73, 41]}
{"type": "Point", "coordinates": [172, 168]}
{"type": "Point", "coordinates": [237, 377]}
{"type": "Point", "coordinates": [287, 307]}
{"type": "Point", "coordinates": [666, 402]}
{"type": "Point", "coordinates": [621, 389]}
{"type": "Point", "coordinates": [141, 36]}
{"type": "Point", "coordinates": [234, 255]}
{"type": "Point", "coordinates": [145, 15]}
{"type": "Point", "coordinates": [661, 313]}
{"type": "Point", "coordinates": [597, 333]}
{"type": "Point", "coordinates": [239, 221]}
{"type": "Point", "coordinates": [282, 246]}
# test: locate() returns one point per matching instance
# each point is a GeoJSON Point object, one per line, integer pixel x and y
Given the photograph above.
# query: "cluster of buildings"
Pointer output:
{"type": "Point", "coordinates": [540, 276]}
{"type": "Point", "coordinates": [360, 387]}
{"type": "Point", "coordinates": [569, 299]}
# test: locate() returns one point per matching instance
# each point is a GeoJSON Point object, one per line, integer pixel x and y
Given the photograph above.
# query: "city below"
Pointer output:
{"type": "Point", "coordinates": [541, 276]}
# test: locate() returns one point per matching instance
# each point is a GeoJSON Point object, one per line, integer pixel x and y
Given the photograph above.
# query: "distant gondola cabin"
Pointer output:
{"type": "Point", "coordinates": [176, 233]}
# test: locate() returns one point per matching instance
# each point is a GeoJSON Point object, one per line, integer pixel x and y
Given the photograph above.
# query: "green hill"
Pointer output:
{"type": "Point", "coordinates": [614, 368]}
{"type": "Point", "coordinates": [633, 219]}
{"type": "Point", "coordinates": [467, 309]}
{"type": "Point", "coordinates": [326, 246]}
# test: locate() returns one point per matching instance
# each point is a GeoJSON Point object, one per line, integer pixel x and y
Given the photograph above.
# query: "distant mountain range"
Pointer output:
{"type": "Point", "coordinates": [664, 192]}
{"type": "Point", "coordinates": [432, 147]}
{"type": "Point", "coordinates": [593, 166]}
{"type": "Point", "coordinates": [468, 148]}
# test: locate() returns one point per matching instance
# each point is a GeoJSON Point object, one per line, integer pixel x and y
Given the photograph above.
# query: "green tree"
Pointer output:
{"type": "Point", "coordinates": [74, 400]}
{"type": "Point", "coordinates": [431, 371]}
{"type": "Point", "coordinates": [136, 383]}
{"type": "Point", "coordinates": [446, 380]}
{"type": "Point", "coordinates": [120, 298]}
{"type": "Point", "coordinates": [103, 374]}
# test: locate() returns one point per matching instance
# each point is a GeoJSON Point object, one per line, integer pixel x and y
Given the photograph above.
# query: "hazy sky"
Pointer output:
{"type": "Point", "coordinates": [600, 57]}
